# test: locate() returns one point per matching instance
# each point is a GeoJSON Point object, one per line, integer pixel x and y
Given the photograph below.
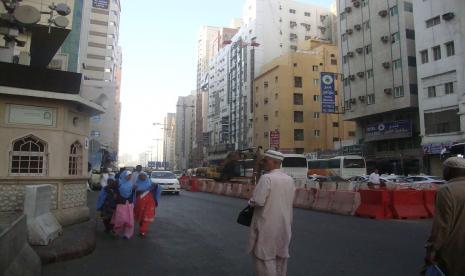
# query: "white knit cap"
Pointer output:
{"type": "Point", "coordinates": [274, 154]}
{"type": "Point", "coordinates": [455, 162]}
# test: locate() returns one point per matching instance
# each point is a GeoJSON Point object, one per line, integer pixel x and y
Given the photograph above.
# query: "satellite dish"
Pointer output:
{"type": "Point", "coordinates": [61, 21]}
{"type": "Point", "coordinates": [62, 9]}
{"type": "Point", "coordinates": [26, 15]}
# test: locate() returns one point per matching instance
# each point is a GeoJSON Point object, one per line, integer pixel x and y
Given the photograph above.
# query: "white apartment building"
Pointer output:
{"type": "Point", "coordinates": [100, 58]}
{"type": "Point", "coordinates": [169, 140]}
{"type": "Point", "coordinates": [185, 130]}
{"type": "Point", "coordinates": [440, 50]}
{"type": "Point", "coordinates": [270, 28]}
{"type": "Point", "coordinates": [377, 46]}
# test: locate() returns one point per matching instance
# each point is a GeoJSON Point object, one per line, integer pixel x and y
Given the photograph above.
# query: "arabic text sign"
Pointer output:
{"type": "Point", "coordinates": [328, 98]}
{"type": "Point", "coordinates": [388, 130]}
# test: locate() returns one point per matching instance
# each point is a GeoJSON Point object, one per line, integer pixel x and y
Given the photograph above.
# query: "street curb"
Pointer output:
{"type": "Point", "coordinates": [76, 241]}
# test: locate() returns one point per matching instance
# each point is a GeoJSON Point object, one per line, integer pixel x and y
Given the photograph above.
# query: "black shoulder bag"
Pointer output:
{"type": "Point", "coordinates": [245, 216]}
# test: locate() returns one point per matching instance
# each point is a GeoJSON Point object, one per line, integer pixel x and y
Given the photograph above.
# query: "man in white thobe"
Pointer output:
{"type": "Point", "coordinates": [270, 231]}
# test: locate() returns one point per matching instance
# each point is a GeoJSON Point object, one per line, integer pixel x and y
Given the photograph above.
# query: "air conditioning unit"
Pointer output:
{"type": "Point", "coordinates": [388, 91]}
{"type": "Point", "coordinates": [448, 16]}
{"type": "Point", "coordinates": [383, 13]}
{"type": "Point", "coordinates": [358, 27]}
{"type": "Point", "coordinates": [352, 77]}
{"type": "Point", "coordinates": [353, 101]}
{"type": "Point", "coordinates": [322, 29]}
{"type": "Point", "coordinates": [348, 9]}
{"type": "Point", "coordinates": [386, 64]}
{"type": "Point", "coordinates": [359, 50]}
{"type": "Point", "coordinates": [385, 38]}
{"type": "Point", "coordinates": [361, 99]}
{"type": "Point", "coordinates": [350, 54]}
{"type": "Point", "coordinates": [349, 31]}
{"type": "Point", "coordinates": [356, 4]}
{"type": "Point", "coordinates": [361, 74]}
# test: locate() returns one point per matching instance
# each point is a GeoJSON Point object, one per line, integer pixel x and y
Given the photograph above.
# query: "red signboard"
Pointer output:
{"type": "Point", "coordinates": [274, 139]}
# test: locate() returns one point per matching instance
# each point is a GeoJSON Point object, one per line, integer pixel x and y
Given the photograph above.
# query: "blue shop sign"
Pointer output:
{"type": "Point", "coordinates": [328, 98]}
{"type": "Point", "coordinates": [388, 130]}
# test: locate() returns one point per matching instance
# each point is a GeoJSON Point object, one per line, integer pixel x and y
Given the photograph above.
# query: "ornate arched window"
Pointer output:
{"type": "Point", "coordinates": [75, 159]}
{"type": "Point", "coordinates": [29, 157]}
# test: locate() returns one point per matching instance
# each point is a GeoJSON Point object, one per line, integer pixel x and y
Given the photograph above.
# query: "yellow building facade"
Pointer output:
{"type": "Point", "coordinates": [287, 100]}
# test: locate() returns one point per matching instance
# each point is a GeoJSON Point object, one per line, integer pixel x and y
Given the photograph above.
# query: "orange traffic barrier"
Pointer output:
{"type": "Point", "coordinates": [345, 202]}
{"type": "Point", "coordinates": [247, 191]}
{"type": "Point", "coordinates": [218, 188]}
{"type": "Point", "coordinates": [374, 204]}
{"type": "Point", "coordinates": [193, 184]}
{"type": "Point", "coordinates": [184, 182]}
{"type": "Point", "coordinates": [236, 190]}
{"type": "Point", "coordinates": [228, 191]}
{"type": "Point", "coordinates": [210, 186]}
{"type": "Point", "coordinates": [429, 198]}
{"type": "Point", "coordinates": [323, 200]}
{"type": "Point", "coordinates": [202, 185]}
{"type": "Point", "coordinates": [408, 204]}
{"type": "Point", "coordinates": [303, 198]}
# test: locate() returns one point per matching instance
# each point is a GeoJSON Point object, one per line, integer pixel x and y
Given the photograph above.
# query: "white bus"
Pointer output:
{"type": "Point", "coordinates": [295, 165]}
{"type": "Point", "coordinates": [342, 166]}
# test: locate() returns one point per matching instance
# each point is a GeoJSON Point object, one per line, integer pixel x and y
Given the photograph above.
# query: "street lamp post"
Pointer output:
{"type": "Point", "coordinates": [156, 164]}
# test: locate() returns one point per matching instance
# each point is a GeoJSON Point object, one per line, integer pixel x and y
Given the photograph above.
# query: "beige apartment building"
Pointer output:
{"type": "Point", "coordinates": [287, 101]}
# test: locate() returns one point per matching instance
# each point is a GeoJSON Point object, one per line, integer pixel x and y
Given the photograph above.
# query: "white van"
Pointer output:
{"type": "Point", "coordinates": [295, 165]}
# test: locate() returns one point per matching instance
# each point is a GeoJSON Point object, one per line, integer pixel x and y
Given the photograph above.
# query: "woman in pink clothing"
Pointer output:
{"type": "Point", "coordinates": [123, 218]}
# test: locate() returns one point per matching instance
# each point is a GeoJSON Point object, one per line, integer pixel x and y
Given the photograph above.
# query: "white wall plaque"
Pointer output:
{"type": "Point", "coordinates": [31, 115]}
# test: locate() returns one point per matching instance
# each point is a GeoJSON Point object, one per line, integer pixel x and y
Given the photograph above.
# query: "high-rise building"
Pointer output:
{"type": "Point", "coordinates": [440, 40]}
{"type": "Point", "coordinates": [287, 104]}
{"type": "Point", "coordinates": [169, 140]}
{"type": "Point", "coordinates": [270, 29]}
{"type": "Point", "coordinates": [185, 130]}
{"type": "Point", "coordinates": [377, 49]}
{"type": "Point", "coordinates": [100, 58]}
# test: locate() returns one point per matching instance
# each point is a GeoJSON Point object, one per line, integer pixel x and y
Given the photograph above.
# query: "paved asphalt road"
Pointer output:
{"type": "Point", "coordinates": [196, 234]}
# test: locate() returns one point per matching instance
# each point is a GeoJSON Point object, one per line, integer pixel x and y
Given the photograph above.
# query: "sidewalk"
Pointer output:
{"type": "Point", "coordinates": [76, 240]}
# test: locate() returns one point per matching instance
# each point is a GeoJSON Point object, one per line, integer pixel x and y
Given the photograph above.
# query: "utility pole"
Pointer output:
{"type": "Point", "coordinates": [156, 164]}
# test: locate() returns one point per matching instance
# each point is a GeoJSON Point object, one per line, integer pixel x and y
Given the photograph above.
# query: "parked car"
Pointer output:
{"type": "Point", "coordinates": [167, 180]}
{"type": "Point", "coordinates": [425, 179]}
{"type": "Point", "coordinates": [360, 178]}
{"type": "Point", "coordinates": [392, 178]}
{"type": "Point", "coordinates": [178, 174]}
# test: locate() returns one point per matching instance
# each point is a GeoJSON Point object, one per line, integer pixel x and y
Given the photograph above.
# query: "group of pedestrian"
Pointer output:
{"type": "Point", "coordinates": [127, 199]}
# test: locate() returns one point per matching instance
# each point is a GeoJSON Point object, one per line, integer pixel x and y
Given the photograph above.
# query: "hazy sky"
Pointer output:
{"type": "Point", "coordinates": [159, 41]}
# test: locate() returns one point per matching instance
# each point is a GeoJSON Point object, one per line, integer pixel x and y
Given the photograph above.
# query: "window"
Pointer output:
{"type": "Point", "coordinates": [335, 124]}
{"type": "Point", "coordinates": [410, 34]}
{"type": "Point", "coordinates": [265, 134]}
{"type": "Point", "coordinates": [292, 11]}
{"type": "Point", "coordinates": [437, 53]}
{"type": "Point", "coordinates": [292, 24]}
{"type": "Point", "coordinates": [265, 118]}
{"type": "Point", "coordinates": [299, 151]}
{"type": "Point", "coordinates": [424, 56]}
{"type": "Point", "coordinates": [398, 92]}
{"type": "Point", "coordinates": [265, 84]}
{"type": "Point", "coordinates": [366, 24]}
{"type": "Point", "coordinates": [343, 15]}
{"type": "Point", "coordinates": [412, 61]}
{"type": "Point", "coordinates": [431, 91]}
{"type": "Point", "coordinates": [316, 115]}
{"type": "Point", "coordinates": [368, 49]}
{"type": "Point", "coordinates": [75, 159]}
{"type": "Point", "coordinates": [316, 81]}
{"type": "Point", "coordinates": [393, 11]}
{"type": "Point", "coordinates": [351, 133]}
{"type": "Point", "coordinates": [450, 49]}
{"type": "Point", "coordinates": [397, 64]}
{"type": "Point", "coordinates": [298, 116]}
{"type": "Point", "coordinates": [370, 73]}
{"type": "Point", "coordinates": [449, 88]}
{"type": "Point", "coordinates": [344, 59]}
{"type": "Point", "coordinates": [29, 157]}
{"type": "Point", "coordinates": [315, 68]}
{"type": "Point", "coordinates": [346, 81]}
{"type": "Point", "coordinates": [316, 133]}
{"type": "Point", "coordinates": [316, 98]}
{"type": "Point", "coordinates": [333, 61]}
{"type": "Point", "coordinates": [364, 3]}
{"type": "Point", "coordinates": [95, 133]}
{"type": "Point", "coordinates": [408, 7]}
{"type": "Point", "coordinates": [298, 99]}
{"type": "Point", "coordinates": [307, 14]}
{"type": "Point", "coordinates": [433, 22]}
{"type": "Point", "coordinates": [298, 82]}
{"type": "Point", "coordinates": [298, 134]}
{"type": "Point", "coordinates": [335, 139]}
{"type": "Point", "coordinates": [395, 37]}
{"type": "Point", "coordinates": [442, 122]}
{"type": "Point", "coordinates": [371, 99]}
{"type": "Point", "coordinates": [276, 79]}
